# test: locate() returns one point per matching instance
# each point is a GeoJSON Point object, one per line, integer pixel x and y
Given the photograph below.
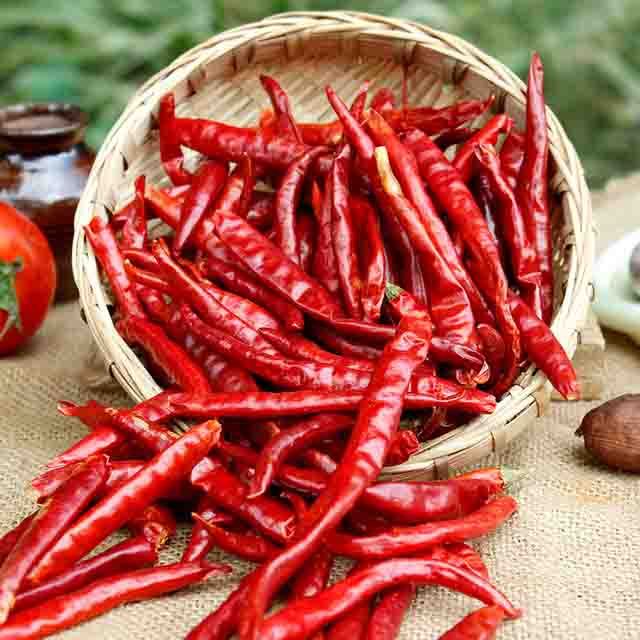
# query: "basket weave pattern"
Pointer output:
{"type": "Point", "coordinates": [305, 51]}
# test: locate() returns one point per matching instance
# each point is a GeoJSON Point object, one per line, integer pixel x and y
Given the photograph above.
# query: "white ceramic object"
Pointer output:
{"type": "Point", "coordinates": [616, 304]}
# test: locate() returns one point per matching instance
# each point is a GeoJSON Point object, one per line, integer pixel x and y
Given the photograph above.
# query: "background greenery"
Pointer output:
{"type": "Point", "coordinates": [96, 52]}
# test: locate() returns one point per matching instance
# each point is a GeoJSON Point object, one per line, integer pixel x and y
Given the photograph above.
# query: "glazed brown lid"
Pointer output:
{"type": "Point", "coordinates": [41, 127]}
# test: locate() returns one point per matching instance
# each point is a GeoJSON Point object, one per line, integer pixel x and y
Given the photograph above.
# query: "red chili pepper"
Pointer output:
{"type": "Point", "coordinates": [104, 244]}
{"type": "Point", "coordinates": [493, 349]}
{"type": "Point", "coordinates": [303, 617]}
{"type": "Point", "coordinates": [200, 541]}
{"type": "Point", "coordinates": [461, 553]}
{"type": "Point", "coordinates": [342, 345]}
{"type": "Point", "coordinates": [412, 539]}
{"type": "Point", "coordinates": [134, 231]}
{"type": "Point", "coordinates": [289, 442]}
{"type": "Point", "coordinates": [70, 609]}
{"type": "Point", "coordinates": [344, 243]}
{"type": "Point", "coordinates": [544, 350]}
{"type": "Point", "coordinates": [369, 443]}
{"type": "Point", "coordinates": [11, 538]}
{"type": "Point", "coordinates": [131, 554]}
{"type": "Point", "coordinates": [404, 445]}
{"type": "Point", "coordinates": [402, 303]}
{"type": "Point", "coordinates": [478, 625]}
{"type": "Point", "coordinates": [388, 612]}
{"type": "Point", "coordinates": [246, 546]}
{"type": "Point", "coordinates": [226, 142]}
{"type": "Point", "coordinates": [423, 224]}
{"type": "Point", "coordinates": [286, 123]}
{"type": "Point", "coordinates": [298, 347]}
{"type": "Point", "coordinates": [524, 260]}
{"type": "Point", "coordinates": [326, 134]}
{"type": "Point", "coordinates": [205, 186]}
{"type": "Point", "coordinates": [359, 102]}
{"type": "Point", "coordinates": [353, 624]}
{"type": "Point", "coordinates": [147, 279]}
{"type": "Point", "coordinates": [156, 523]}
{"type": "Point", "coordinates": [454, 137]}
{"type": "Point", "coordinates": [193, 292]}
{"type": "Point", "coordinates": [372, 256]}
{"type": "Point", "coordinates": [464, 160]}
{"type": "Point", "coordinates": [170, 145]}
{"type": "Point", "coordinates": [47, 526]}
{"type": "Point", "coordinates": [306, 232]}
{"type": "Point", "coordinates": [511, 157]}
{"type": "Point", "coordinates": [382, 100]}
{"type": "Point", "coordinates": [288, 200]}
{"type": "Point", "coordinates": [464, 213]}
{"type": "Point", "coordinates": [271, 266]}
{"type": "Point", "coordinates": [265, 404]}
{"type": "Point", "coordinates": [269, 516]}
{"type": "Point", "coordinates": [325, 267]}
{"type": "Point", "coordinates": [419, 502]}
{"type": "Point", "coordinates": [314, 575]}
{"type": "Point", "coordinates": [533, 186]}
{"type": "Point", "coordinates": [126, 501]}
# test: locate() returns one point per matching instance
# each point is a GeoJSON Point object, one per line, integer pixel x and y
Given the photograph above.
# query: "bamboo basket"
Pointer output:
{"type": "Point", "coordinates": [305, 51]}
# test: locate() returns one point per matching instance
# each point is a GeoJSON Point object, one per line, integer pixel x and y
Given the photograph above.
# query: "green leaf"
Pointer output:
{"type": "Point", "coordinates": [8, 297]}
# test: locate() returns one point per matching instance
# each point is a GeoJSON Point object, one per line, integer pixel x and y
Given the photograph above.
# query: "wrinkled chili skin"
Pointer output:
{"type": "Point", "coordinates": [10, 539]}
{"type": "Point", "coordinates": [134, 231]}
{"type": "Point", "coordinates": [101, 596]}
{"type": "Point", "coordinates": [369, 443]}
{"type": "Point", "coordinates": [200, 540]}
{"type": "Point", "coordinates": [344, 240]}
{"type": "Point", "coordinates": [53, 519]}
{"type": "Point", "coordinates": [306, 232]}
{"type": "Point", "coordinates": [170, 151]}
{"type": "Point", "coordinates": [511, 156]}
{"type": "Point", "coordinates": [389, 611]}
{"type": "Point", "coordinates": [524, 260]}
{"type": "Point", "coordinates": [288, 200]}
{"type": "Point", "coordinates": [481, 624]}
{"type": "Point", "coordinates": [303, 617]}
{"type": "Point", "coordinates": [282, 107]}
{"type": "Point", "coordinates": [533, 182]}
{"type": "Point", "coordinates": [324, 267]}
{"type": "Point", "coordinates": [154, 481]}
{"type": "Point", "coordinates": [544, 350]}
{"type": "Point", "coordinates": [131, 554]}
{"type": "Point", "coordinates": [459, 204]}
{"type": "Point", "coordinates": [413, 539]}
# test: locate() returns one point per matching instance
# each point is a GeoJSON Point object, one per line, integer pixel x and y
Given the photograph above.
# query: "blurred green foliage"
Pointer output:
{"type": "Point", "coordinates": [96, 52]}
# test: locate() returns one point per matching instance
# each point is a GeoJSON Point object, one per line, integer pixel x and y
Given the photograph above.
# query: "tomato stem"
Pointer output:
{"type": "Point", "coordinates": [8, 295]}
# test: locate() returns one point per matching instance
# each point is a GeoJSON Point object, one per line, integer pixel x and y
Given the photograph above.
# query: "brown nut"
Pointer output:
{"type": "Point", "coordinates": [612, 432]}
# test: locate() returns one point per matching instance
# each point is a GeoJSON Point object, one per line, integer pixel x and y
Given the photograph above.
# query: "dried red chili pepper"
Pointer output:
{"type": "Point", "coordinates": [493, 349]}
{"type": "Point", "coordinates": [271, 266]}
{"type": "Point", "coordinates": [533, 187]}
{"type": "Point", "coordinates": [306, 232]}
{"type": "Point", "coordinates": [148, 279]}
{"type": "Point", "coordinates": [478, 625]}
{"type": "Point", "coordinates": [11, 538]}
{"type": "Point", "coordinates": [544, 350]}
{"type": "Point", "coordinates": [314, 575]}
{"type": "Point", "coordinates": [388, 612]}
{"type": "Point", "coordinates": [382, 100]}
{"type": "Point", "coordinates": [193, 292]}
{"type": "Point", "coordinates": [324, 266]}
{"type": "Point", "coordinates": [288, 200]}
{"type": "Point", "coordinates": [511, 156]}
{"type": "Point", "coordinates": [286, 123]}
{"type": "Point", "coordinates": [265, 404]}
{"type": "Point", "coordinates": [170, 146]}
{"type": "Point", "coordinates": [289, 442]}
{"type": "Point", "coordinates": [131, 554]}
{"type": "Point", "coordinates": [303, 617]}
{"type": "Point", "coordinates": [261, 210]}
{"type": "Point", "coordinates": [524, 260]}
{"type": "Point", "coordinates": [121, 505]}
{"type": "Point", "coordinates": [200, 541]}
{"type": "Point", "coordinates": [156, 523]}
{"type": "Point", "coordinates": [134, 231]}
{"type": "Point", "coordinates": [372, 257]}
{"type": "Point", "coordinates": [412, 539]}
{"type": "Point", "coordinates": [454, 137]}
{"type": "Point", "coordinates": [464, 160]}
{"type": "Point", "coordinates": [70, 609]}
{"type": "Point", "coordinates": [247, 546]}
{"type": "Point", "coordinates": [404, 445]}
{"type": "Point", "coordinates": [369, 443]}
{"type": "Point", "coordinates": [353, 624]}
{"type": "Point", "coordinates": [453, 195]}
{"type": "Point", "coordinates": [340, 344]}
{"type": "Point", "coordinates": [344, 244]}
{"type": "Point", "coordinates": [47, 526]}
{"type": "Point", "coordinates": [205, 186]}
{"type": "Point", "coordinates": [266, 514]}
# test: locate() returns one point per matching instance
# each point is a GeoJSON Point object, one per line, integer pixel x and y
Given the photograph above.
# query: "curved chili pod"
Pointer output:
{"type": "Point", "coordinates": [170, 147]}
{"type": "Point", "coordinates": [11, 538]}
{"type": "Point", "coordinates": [306, 232]}
{"type": "Point", "coordinates": [408, 540]}
{"type": "Point", "coordinates": [200, 541]}
{"type": "Point", "coordinates": [478, 625]}
{"type": "Point", "coordinates": [121, 505]}
{"type": "Point", "coordinates": [324, 266]}
{"type": "Point", "coordinates": [70, 609]}
{"type": "Point", "coordinates": [134, 231]}
{"type": "Point", "coordinates": [388, 612]}
{"type": "Point", "coordinates": [302, 618]}
{"type": "Point", "coordinates": [511, 156]}
{"type": "Point", "coordinates": [282, 107]}
{"type": "Point", "coordinates": [156, 523]}
{"type": "Point", "coordinates": [53, 519]}
{"type": "Point", "coordinates": [353, 624]}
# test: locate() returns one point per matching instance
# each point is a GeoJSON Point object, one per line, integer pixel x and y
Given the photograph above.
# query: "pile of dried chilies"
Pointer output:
{"type": "Point", "coordinates": [343, 292]}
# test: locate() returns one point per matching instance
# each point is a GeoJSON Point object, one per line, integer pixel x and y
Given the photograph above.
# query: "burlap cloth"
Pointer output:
{"type": "Point", "coordinates": [570, 557]}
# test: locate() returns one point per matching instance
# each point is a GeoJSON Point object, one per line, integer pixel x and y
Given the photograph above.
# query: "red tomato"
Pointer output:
{"type": "Point", "coordinates": [27, 278]}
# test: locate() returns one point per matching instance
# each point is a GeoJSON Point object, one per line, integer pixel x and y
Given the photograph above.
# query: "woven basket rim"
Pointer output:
{"type": "Point", "coordinates": [524, 401]}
